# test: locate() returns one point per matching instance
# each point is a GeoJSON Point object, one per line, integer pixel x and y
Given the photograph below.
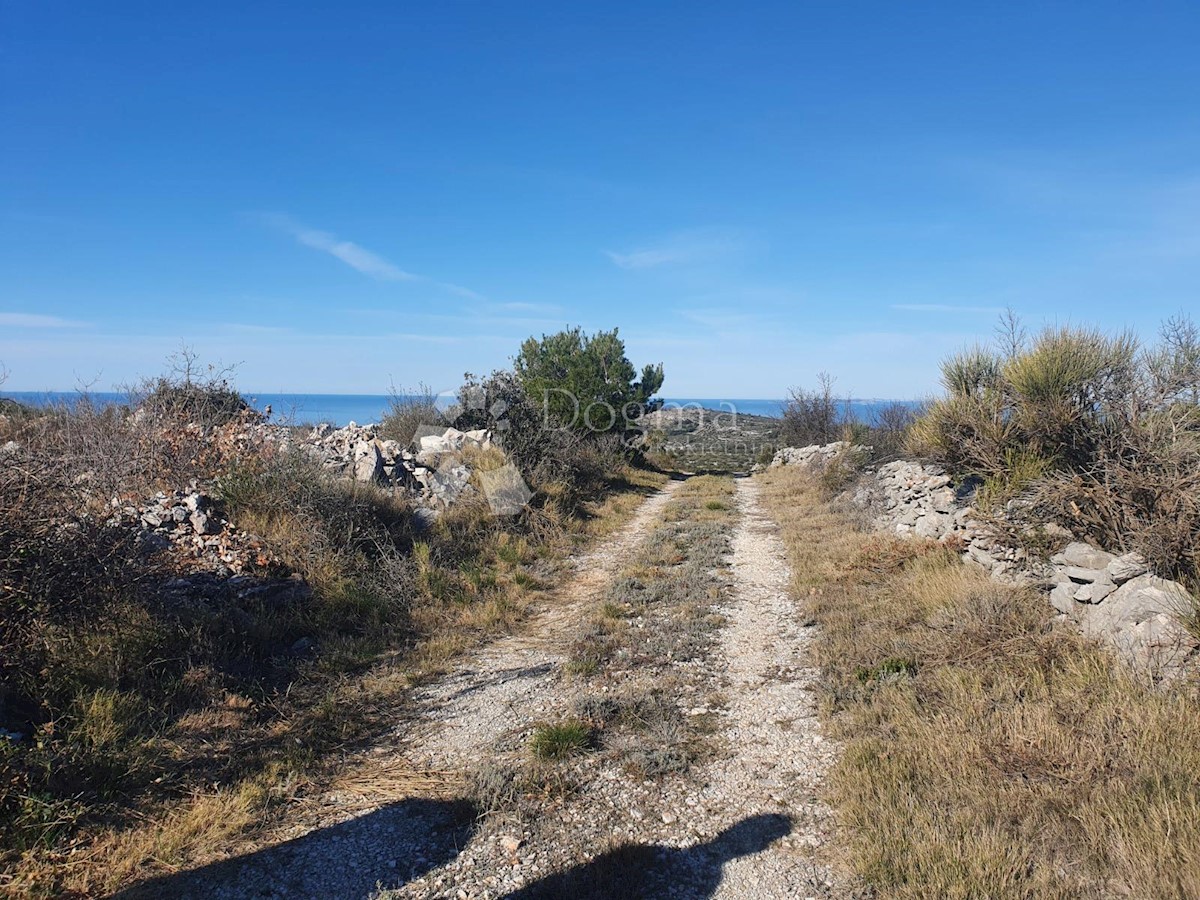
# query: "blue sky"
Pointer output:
{"type": "Point", "coordinates": [338, 197]}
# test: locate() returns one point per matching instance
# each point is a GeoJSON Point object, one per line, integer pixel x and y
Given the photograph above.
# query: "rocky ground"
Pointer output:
{"type": "Point", "coordinates": [744, 821]}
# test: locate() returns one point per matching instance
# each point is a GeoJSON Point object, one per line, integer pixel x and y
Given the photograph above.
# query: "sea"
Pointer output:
{"type": "Point", "coordinates": [341, 409]}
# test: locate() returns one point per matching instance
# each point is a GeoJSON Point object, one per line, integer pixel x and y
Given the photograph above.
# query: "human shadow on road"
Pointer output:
{"type": "Point", "coordinates": [385, 848]}
{"type": "Point", "coordinates": [652, 870]}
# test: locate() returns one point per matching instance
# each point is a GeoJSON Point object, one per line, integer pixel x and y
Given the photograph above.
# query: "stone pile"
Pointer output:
{"type": "Point", "coordinates": [189, 523]}
{"type": "Point", "coordinates": [1113, 598]}
{"type": "Point", "coordinates": [917, 499]}
{"type": "Point", "coordinates": [436, 473]}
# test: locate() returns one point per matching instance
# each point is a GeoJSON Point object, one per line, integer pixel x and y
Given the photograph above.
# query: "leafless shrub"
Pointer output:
{"type": "Point", "coordinates": [813, 417]}
{"type": "Point", "coordinates": [890, 429]}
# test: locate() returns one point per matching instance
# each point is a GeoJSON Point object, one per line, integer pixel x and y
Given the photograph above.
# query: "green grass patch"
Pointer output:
{"type": "Point", "coordinates": [560, 741]}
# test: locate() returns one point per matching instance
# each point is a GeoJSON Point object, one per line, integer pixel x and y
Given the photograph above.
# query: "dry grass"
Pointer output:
{"type": "Point", "coordinates": [392, 780]}
{"type": "Point", "coordinates": [200, 825]}
{"type": "Point", "coordinates": [988, 752]}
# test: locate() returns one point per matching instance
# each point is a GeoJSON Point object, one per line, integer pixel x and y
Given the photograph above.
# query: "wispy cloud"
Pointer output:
{"type": "Point", "coordinates": [34, 320]}
{"type": "Point", "coordinates": [682, 247]}
{"type": "Point", "coordinates": [353, 255]}
{"type": "Point", "coordinates": [948, 308]}
{"type": "Point", "coordinates": [358, 257]}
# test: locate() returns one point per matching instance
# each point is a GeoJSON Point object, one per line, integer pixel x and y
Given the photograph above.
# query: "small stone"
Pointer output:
{"type": "Point", "coordinates": [1096, 591]}
{"type": "Point", "coordinates": [202, 523]}
{"type": "Point", "coordinates": [1062, 599]}
{"type": "Point", "coordinates": [668, 818]}
{"type": "Point", "coordinates": [511, 843]}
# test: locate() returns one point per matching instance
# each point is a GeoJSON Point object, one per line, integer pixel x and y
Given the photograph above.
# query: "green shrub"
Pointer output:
{"type": "Point", "coordinates": [566, 373]}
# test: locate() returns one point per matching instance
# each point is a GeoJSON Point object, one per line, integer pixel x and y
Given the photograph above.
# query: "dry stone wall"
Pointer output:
{"type": "Point", "coordinates": [1111, 597]}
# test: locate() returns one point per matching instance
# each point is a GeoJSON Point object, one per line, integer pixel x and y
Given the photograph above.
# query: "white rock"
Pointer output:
{"type": "Point", "coordinates": [1062, 600]}
{"type": "Point", "coordinates": [1127, 567]}
{"type": "Point", "coordinates": [1083, 556]}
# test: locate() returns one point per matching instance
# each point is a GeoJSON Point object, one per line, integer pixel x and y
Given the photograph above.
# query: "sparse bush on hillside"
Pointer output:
{"type": "Point", "coordinates": [819, 417]}
{"type": "Point", "coordinates": [813, 417]}
{"type": "Point", "coordinates": [1091, 429]}
{"type": "Point", "coordinates": [190, 393]}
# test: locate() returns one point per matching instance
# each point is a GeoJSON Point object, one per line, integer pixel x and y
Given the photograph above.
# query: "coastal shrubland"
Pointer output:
{"type": "Point", "coordinates": [167, 683]}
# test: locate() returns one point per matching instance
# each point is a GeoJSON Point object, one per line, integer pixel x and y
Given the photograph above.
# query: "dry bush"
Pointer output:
{"type": "Point", "coordinates": [889, 433]}
{"type": "Point", "coordinates": [987, 752]}
{"type": "Point", "coordinates": [100, 657]}
{"type": "Point", "coordinates": [812, 417]}
{"type": "Point", "coordinates": [328, 529]}
{"type": "Point", "coordinates": [1142, 492]}
{"type": "Point", "coordinates": [818, 417]}
{"type": "Point", "coordinates": [564, 465]}
{"type": "Point", "coordinates": [408, 413]}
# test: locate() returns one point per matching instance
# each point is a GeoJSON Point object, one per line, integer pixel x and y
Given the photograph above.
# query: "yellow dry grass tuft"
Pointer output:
{"type": "Point", "coordinates": [201, 826]}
